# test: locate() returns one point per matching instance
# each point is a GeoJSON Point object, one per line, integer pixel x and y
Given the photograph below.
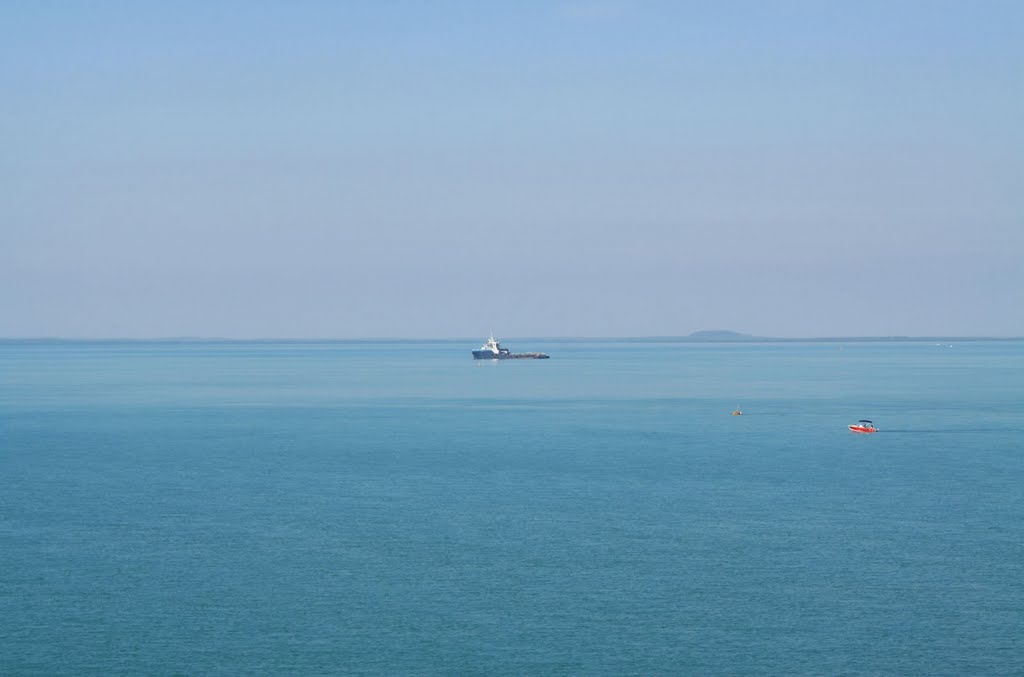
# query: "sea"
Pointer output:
{"type": "Point", "coordinates": [398, 508]}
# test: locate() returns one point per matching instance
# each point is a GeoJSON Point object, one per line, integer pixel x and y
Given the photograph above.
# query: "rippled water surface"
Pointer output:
{"type": "Point", "coordinates": [324, 508]}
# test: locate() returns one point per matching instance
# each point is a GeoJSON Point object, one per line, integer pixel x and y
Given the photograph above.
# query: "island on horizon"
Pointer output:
{"type": "Point", "coordinates": [730, 336]}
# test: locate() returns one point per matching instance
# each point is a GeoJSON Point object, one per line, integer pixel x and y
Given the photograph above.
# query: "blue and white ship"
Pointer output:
{"type": "Point", "coordinates": [492, 350]}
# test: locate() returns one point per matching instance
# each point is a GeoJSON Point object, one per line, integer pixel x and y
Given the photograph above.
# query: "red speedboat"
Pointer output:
{"type": "Point", "coordinates": [863, 426]}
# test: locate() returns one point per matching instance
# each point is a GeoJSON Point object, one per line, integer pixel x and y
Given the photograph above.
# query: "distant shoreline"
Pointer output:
{"type": "Point", "coordinates": [822, 339]}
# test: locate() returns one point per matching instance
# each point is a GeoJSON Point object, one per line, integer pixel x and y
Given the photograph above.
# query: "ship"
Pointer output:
{"type": "Point", "coordinates": [492, 350]}
{"type": "Point", "coordinates": [863, 426]}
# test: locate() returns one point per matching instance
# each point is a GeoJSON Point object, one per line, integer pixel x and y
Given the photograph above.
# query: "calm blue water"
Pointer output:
{"type": "Point", "coordinates": [325, 508]}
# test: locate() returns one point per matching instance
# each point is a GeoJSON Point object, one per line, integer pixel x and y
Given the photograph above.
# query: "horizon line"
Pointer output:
{"type": "Point", "coordinates": [695, 337]}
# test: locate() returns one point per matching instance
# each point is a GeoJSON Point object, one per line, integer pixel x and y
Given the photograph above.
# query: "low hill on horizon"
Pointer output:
{"type": "Point", "coordinates": [720, 335]}
{"type": "Point", "coordinates": [729, 336]}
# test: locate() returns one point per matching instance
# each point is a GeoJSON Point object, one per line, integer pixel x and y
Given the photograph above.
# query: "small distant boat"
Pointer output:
{"type": "Point", "coordinates": [863, 426]}
{"type": "Point", "coordinates": [492, 350]}
{"type": "Point", "coordinates": [737, 412]}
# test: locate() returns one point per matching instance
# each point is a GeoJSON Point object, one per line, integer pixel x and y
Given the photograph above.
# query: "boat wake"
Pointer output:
{"type": "Point", "coordinates": [946, 431]}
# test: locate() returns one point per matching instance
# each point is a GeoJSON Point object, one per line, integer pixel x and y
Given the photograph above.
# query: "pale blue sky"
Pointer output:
{"type": "Point", "coordinates": [436, 169]}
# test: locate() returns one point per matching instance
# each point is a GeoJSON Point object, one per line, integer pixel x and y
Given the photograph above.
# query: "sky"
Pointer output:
{"type": "Point", "coordinates": [444, 169]}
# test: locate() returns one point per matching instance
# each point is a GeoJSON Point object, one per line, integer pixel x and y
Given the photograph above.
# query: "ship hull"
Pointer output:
{"type": "Point", "coordinates": [489, 355]}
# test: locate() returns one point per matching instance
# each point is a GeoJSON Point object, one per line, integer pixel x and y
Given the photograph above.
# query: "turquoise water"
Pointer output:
{"type": "Point", "coordinates": [397, 508]}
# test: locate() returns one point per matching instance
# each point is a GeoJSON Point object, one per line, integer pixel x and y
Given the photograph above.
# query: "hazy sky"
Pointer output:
{"type": "Point", "coordinates": [436, 169]}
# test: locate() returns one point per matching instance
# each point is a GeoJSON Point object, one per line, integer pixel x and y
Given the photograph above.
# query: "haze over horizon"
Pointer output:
{"type": "Point", "coordinates": [699, 336]}
{"type": "Point", "coordinates": [601, 169]}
